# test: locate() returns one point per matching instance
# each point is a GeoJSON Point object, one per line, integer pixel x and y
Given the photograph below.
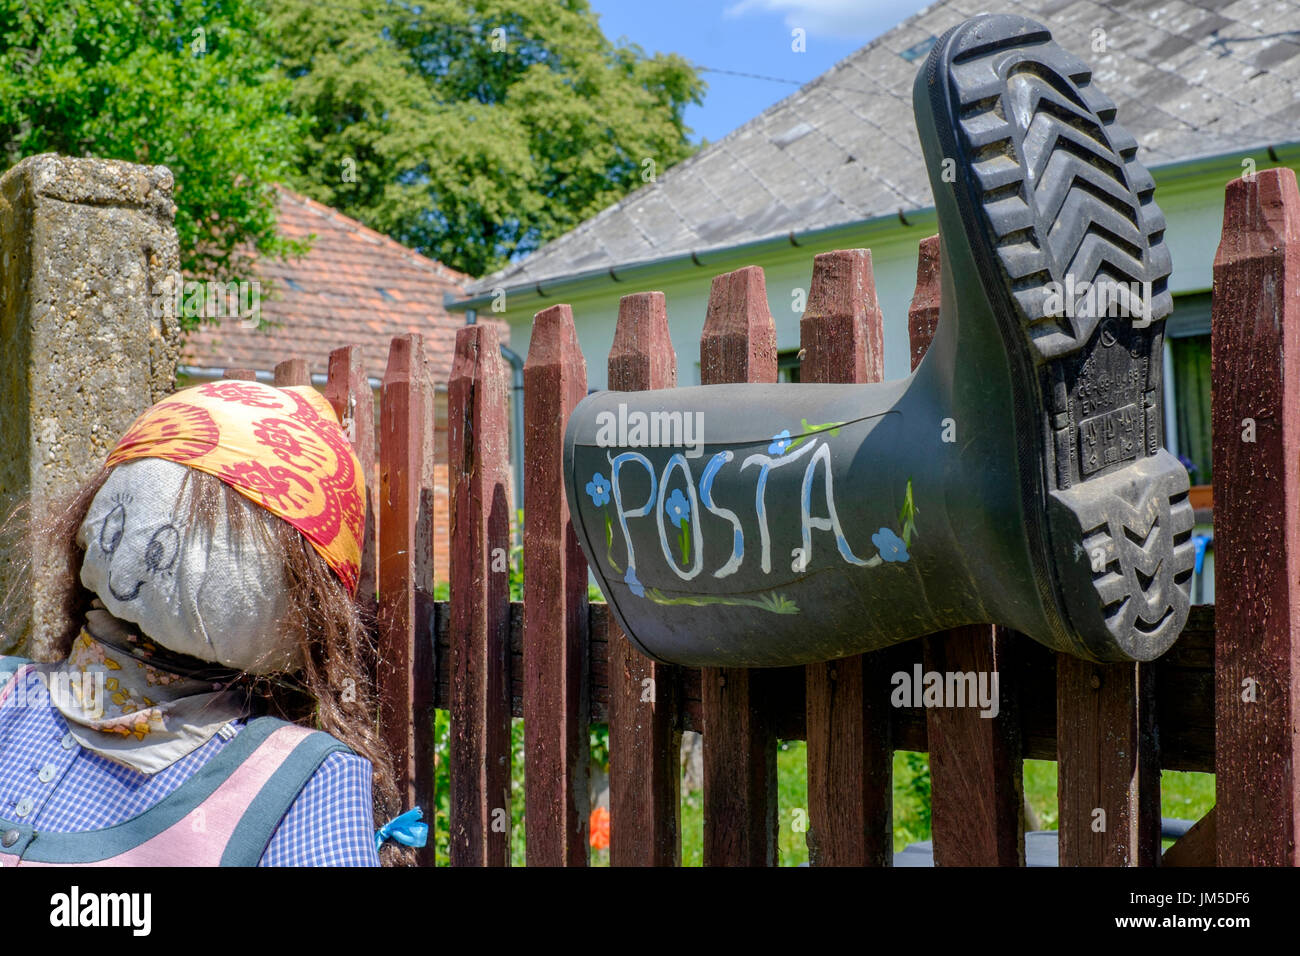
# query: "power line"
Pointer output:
{"type": "Point", "coordinates": [748, 76]}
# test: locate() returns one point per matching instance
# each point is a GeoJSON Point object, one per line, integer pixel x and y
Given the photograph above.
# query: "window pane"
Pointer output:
{"type": "Point", "coordinates": [1191, 366]}
{"type": "Point", "coordinates": [787, 367]}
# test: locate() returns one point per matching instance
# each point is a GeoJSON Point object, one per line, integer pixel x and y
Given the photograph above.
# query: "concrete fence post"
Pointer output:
{"type": "Point", "coordinates": [88, 339]}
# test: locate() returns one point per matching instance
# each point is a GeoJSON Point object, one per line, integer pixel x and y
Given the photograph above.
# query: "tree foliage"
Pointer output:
{"type": "Point", "coordinates": [476, 132]}
{"type": "Point", "coordinates": [190, 84]}
{"type": "Point", "coordinates": [473, 132]}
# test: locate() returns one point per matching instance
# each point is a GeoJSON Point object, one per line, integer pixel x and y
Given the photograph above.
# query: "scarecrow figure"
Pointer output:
{"type": "Point", "coordinates": [213, 624]}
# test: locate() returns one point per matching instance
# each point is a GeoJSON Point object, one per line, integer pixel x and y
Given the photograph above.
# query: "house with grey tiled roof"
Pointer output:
{"type": "Point", "coordinates": [1208, 87]}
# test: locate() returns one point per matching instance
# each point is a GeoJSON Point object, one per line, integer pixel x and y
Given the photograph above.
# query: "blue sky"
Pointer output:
{"type": "Point", "coordinates": [749, 36]}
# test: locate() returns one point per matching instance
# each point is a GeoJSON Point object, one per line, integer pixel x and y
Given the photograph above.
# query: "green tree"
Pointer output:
{"type": "Point", "coordinates": [475, 133]}
{"type": "Point", "coordinates": [189, 84]}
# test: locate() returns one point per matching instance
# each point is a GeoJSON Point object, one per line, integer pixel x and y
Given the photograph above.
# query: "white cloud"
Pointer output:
{"type": "Point", "coordinates": [864, 19]}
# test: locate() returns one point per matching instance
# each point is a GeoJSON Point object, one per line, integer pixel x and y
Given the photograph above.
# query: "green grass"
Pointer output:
{"type": "Point", "coordinates": [1188, 796]}
{"type": "Point", "coordinates": [1040, 792]}
{"type": "Point", "coordinates": [911, 806]}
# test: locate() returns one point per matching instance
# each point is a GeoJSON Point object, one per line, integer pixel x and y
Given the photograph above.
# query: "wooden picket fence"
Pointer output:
{"type": "Point", "coordinates": [1223, 700]}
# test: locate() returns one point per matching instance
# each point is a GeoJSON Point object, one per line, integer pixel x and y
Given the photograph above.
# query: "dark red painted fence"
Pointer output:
{"type": "Point", "coordinates": [1225, 699]}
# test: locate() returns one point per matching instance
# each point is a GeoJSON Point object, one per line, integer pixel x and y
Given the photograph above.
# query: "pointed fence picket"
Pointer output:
{"type": "Point", "coordinates": [556, 687]}
{"type": "Point", "coordinates": [644, 733]}
{"type": "Point", "coordinates": [404, 664]}
{"type": "Point", "coordinates": [1255, 378]}
{"type": "Point", "coordinates": [740, 806]}
{"type": "Point", "coordinates": [850, 761]}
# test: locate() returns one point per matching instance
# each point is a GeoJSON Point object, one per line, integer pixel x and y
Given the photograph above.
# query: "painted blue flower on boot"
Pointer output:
{"type": "Point", "coordinates": [598, 489]}
{"type": "Point", "coordinates": [780, 442]}
{"type": "Point", "coordinates": [633, 584]}
{"type": "Point", "coordinates": [890, 545]}
{"type": "Point", "coordinates": [677, 508]}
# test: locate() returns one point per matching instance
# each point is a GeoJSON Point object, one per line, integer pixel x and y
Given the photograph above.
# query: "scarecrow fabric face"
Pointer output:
{"type": "Point", "coordinates": [282, 448]}
{"type": "Point", "coordinates": [215, 596]}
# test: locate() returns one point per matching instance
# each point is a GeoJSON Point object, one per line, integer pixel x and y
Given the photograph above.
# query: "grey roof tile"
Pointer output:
{"type": "Point", "coordinates": [1190, 78]}
{"type": "Point", "coordinates": [654, 215]}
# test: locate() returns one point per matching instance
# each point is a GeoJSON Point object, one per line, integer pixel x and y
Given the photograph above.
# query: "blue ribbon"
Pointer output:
{"type": "Point", "coordinates": [405, 829]}
{"type": "Point", "coordinates": [1200, 542]}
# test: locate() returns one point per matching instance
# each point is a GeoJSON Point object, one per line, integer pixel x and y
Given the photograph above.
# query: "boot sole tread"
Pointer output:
{"type": "Point", "coordinates": [1064, 201]}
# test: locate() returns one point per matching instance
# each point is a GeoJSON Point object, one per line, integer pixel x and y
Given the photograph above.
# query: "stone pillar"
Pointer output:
{"type": "Point", "coordinates": [88, 339]}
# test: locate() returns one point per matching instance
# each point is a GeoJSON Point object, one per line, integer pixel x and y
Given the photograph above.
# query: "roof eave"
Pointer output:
{"type": "Point", "coordinates": [1178, 174]}
{"type": "Point", "coordinates": [710, 257]}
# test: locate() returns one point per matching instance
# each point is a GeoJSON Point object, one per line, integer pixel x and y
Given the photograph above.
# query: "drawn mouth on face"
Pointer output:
{"type": "Point", "coordinates": [121, 596]}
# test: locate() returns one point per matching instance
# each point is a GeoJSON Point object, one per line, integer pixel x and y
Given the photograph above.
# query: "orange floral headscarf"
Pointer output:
{"type": "Point", "coordinates": [280, 447]}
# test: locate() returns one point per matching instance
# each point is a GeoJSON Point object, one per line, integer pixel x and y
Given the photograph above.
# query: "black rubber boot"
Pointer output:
{"type": "Point", "coordinates": [1017, 477]}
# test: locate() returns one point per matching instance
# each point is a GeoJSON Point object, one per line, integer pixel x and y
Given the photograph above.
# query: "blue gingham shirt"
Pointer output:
{"type": "Point", "coordinates": [51, 783]}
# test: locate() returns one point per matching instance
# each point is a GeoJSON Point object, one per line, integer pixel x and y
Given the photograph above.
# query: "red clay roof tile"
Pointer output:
{"type": "Point", "coordinates": [337, 300]}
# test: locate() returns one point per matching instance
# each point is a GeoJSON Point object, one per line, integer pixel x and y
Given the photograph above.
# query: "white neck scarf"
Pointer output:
{"type": "Point", "coordinates": [119, 706]}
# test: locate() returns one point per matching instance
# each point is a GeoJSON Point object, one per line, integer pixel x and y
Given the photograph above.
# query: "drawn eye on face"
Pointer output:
{"type": "Point", "coordinates": [160, 553]}
{"type": "Point", "coordinates": [110, 532]}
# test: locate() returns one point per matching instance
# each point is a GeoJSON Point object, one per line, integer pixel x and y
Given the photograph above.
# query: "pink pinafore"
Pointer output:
{"type": "Point", "coordinates": [224, 815]}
